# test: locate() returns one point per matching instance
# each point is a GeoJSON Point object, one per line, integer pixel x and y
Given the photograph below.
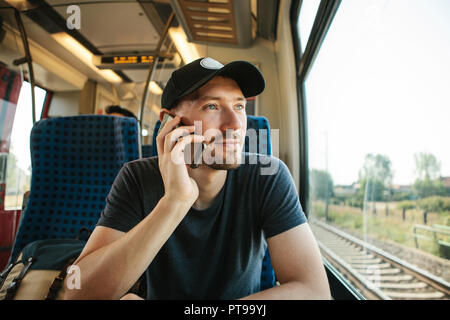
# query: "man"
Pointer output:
{"type": "Point", "coordinates": [119, 111]}
{"type": "Point", "coordinates": [200, 233]}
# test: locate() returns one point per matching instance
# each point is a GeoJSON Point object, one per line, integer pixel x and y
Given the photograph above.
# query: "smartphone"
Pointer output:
{"type": "Point", "coordinates": [167, 117]}
{"type": "Point", "coordinates": [195, 160]}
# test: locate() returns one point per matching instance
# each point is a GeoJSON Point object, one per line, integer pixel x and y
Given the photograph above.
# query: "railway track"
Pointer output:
{"type": "Point", "coordinates": [375, 273]}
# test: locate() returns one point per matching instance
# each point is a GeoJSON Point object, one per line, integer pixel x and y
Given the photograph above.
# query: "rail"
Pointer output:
{"type": "Point", "coordinates": [374, 272]}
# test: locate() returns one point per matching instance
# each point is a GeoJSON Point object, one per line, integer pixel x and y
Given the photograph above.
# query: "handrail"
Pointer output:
{"type": "Point", "coordinates": [151, 70]}
{"type": "Point", "coordinates": [445, 229]}
{"type": "Point", "coordinates": [436, 229]}
{"type": "Point", "coordinates": [28, 60]}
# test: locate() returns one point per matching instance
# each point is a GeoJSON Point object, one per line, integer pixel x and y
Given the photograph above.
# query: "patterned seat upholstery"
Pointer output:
{"type": "Point", "coordinates": [263, 146]}
{"type": "Point", "coordinates": [74, 163]}
{"type": "Point", "coordinates": [147, 150]}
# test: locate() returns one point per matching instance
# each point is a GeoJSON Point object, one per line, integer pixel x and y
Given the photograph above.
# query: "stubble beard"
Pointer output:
{"type": "Point", "coordinates": [223, 165]}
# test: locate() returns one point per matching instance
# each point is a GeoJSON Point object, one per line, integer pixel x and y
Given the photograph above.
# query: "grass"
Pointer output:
{"type": "Point", "coordinates": [382, 227]}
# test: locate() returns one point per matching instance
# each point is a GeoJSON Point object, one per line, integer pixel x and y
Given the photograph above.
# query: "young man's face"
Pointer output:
{"type": "Point", "coordinates": [220, 106]}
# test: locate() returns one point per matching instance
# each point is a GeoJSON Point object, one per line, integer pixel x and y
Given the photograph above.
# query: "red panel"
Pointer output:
{"type": "Point", "coordinates": [48, 100]}
{"type": "Point", "coordinates": [9, 222]}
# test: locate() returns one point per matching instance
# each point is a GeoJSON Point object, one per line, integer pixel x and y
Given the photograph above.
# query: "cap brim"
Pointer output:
{"type": "Point", "coordinates": [247, 76]}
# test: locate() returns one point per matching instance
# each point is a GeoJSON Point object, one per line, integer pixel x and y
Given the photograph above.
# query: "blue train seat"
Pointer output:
{"type": "Point", "coordinates": [263, 146]}
{"type": "Point", "coordinates": [74, 163]}
{"type": "Point", "coordinates": [147, 150]}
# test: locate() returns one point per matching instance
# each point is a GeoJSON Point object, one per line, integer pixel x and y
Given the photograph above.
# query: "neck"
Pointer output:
{"type": "Point", "coordinates": [209, 182]}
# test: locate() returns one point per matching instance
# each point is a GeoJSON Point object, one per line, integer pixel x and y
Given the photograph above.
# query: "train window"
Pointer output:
{"type": "Point", "coordinates": [377, 106]}
{"type": "Point", "coordinates": [308, 12]}
{"type": "Point", "coordinates": [18, 168]}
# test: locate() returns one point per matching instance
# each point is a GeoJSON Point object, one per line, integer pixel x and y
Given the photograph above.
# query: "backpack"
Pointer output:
{"type": "Point", "coordinates": [40, 270]}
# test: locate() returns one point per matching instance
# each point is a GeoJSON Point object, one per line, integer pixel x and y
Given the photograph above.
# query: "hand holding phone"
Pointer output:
{"type": "Point", "coordinates": [171, 142]}
{"type": "Point", "coordinates": [197, 158]}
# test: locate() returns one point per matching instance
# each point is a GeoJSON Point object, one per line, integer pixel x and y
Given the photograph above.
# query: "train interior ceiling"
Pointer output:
{"type": "Point", "coordinates": [76, 64]}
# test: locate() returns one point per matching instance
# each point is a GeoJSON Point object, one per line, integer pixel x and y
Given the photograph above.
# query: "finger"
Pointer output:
{"type": "Point", "coordinates": [177, 154]}
{"type": "Point", "coordinates": [172, 137]}
{"type": "Point", "coordinates": [169, 126]}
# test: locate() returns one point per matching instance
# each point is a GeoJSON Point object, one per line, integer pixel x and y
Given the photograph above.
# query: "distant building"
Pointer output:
{"type": "Point", "coordinates": [398, 188]}
{"type": "Point", "coordinates": [345, 190]}
{"type": "Point", "coordinates": [446, 181]}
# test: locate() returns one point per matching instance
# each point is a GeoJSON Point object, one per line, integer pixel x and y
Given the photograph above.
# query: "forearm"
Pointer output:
{"type": "Point", "coordinates": [294, 290]}
{"type": "Point", "coordinates": [110, 271]}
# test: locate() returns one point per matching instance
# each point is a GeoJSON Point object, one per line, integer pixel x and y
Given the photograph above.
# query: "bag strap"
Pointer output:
{"type": "Point", "coordinates": [4, 273]}
{"type": "Point", "coordinates": [58, 281]}
{"type": "Point", "coordinates": [14, 285]}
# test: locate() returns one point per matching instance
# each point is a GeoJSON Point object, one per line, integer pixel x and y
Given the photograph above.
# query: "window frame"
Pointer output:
{"type": "Point", "coordinates": [47, 100]}
{"type": "Point", "coordinates": [340, 288]}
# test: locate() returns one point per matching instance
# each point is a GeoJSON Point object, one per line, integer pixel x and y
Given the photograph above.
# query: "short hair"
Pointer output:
{"type": "Point", "coordinates": [120, 110]}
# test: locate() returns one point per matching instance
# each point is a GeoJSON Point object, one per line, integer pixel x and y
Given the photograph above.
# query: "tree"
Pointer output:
{"type": "Point", "coordinates": [375, 178]}
{"type": "Point", "coordinates": [17, 180]}
{"type": "Point", "coordinates": [321, 187]}
{"type": "Point", "coordinates": [427, 166]}
{"type": "Point", "coordinates": [430, 204]}
{"type": "Point", "coordinates": [321, 184]}
{"type": "Point", "coordinates": [427, 188]}
{"type": "Point", "coordinates": [427, 171]}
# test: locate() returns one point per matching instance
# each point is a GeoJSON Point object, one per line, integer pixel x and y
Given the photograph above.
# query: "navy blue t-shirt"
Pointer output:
{"type": "Point", "coordinates": [214, 253]}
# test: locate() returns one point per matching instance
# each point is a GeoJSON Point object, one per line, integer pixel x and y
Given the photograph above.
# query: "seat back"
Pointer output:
{"type": "Point", "coordinates": [154, 151]}
{"type": "Point", "coordinates": [74, 163]}
{"type": "Point", "coordinates": [147, 150]}
{"type": "Point", "coordinates": [261, 128]}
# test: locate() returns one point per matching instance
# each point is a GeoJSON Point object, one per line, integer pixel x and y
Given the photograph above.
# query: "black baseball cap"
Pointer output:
{"type": "Point", "coordinates": [192, 76]}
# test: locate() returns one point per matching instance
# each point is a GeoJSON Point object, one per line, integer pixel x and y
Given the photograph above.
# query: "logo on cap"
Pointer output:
{"type": "Point", "coordinates": [209, 63]}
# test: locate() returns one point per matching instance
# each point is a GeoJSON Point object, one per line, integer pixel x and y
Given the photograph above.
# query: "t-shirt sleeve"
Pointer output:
{"type": "Point", "coordinates": [123, 209]}
{"type": "Point", "coordinates": [280, 206]}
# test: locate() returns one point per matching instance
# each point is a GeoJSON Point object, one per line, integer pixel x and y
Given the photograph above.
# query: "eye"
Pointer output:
{"type": "Point", "coordinates": [240, 107]}
{"type": "Point", "coordinates": [211, 107]}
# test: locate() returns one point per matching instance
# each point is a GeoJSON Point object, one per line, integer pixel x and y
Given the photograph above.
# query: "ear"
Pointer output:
{"type": "Point", "coordinates": [164, 110]}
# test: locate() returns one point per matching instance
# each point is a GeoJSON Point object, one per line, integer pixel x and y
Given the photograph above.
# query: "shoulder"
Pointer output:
{"type": "Point", "coordinates": [143, 164]}
{"type": "Point", "coordinates": [141, 169]}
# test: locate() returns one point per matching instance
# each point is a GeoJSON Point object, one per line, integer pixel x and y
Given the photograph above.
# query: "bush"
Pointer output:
{"type": "Point", "coordinates": [354, 201]}
{"type": "Point", "coordinates": [434, 204]}
{"type": "Point", "coordinates": [407, 205]}
{"type": "Point", "coordinates": [446, 204]}
{"type": "Point", "coordinates": [337, 201]}
{"type": "Point", "coordinates": [401, 196]}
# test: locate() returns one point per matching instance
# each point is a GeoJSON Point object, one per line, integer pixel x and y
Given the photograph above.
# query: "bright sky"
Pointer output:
{"type": "Point", "coordinates": [23, 122]}
{"type": "Point", "coordinates": [381, 84]}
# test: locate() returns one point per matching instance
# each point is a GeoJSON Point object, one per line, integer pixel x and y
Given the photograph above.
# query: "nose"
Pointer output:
{"type": "Point", "coordinates": [232, 120]}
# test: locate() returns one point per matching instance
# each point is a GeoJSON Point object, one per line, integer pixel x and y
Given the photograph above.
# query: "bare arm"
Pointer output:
{"type": "Point", "coordinates": [298, 266]}
{"type": "Point", "coordinates": [113, 261]}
